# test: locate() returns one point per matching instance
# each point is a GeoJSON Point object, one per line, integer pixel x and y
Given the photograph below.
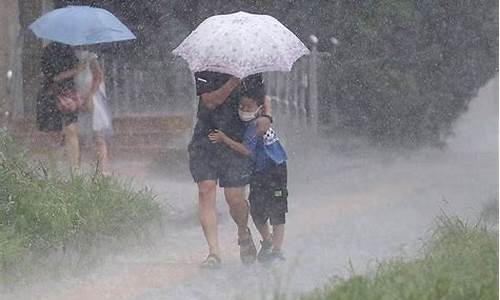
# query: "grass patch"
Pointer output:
{"type": "Point", "coordinates": [460, 262]}
{"type": "Point", "coordinates": [42, 213]}
{"type": "Point", "coordinates": [490, 211]}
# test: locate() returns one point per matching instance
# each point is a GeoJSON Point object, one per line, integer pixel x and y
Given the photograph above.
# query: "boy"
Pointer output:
{"type": "Point", "coordinates": [268, 186]}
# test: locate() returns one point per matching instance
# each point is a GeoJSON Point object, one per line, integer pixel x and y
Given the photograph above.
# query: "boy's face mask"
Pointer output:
{"type": "Point", "coordinates": [246, 116]}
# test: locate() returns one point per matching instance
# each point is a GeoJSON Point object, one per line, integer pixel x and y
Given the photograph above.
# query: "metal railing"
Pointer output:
{"type": "Point", "coordinates": [294, 95]}
{"type": "Point", "coordinates": [148, 88]}
{"type": "Point", "coordinates": [162, 87]}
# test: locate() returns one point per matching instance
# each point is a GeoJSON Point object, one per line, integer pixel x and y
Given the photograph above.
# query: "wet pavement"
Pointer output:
{"type": "Point", "coordinates": [347, 211]}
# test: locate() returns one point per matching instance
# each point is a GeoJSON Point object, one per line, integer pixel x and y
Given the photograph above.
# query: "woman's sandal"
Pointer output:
{"type": "Point", "coordinates": [211, 262]}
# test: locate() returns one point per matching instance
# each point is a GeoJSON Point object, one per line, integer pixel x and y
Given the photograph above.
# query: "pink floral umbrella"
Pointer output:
{"type": "Point", "coordinates": [241, 44]}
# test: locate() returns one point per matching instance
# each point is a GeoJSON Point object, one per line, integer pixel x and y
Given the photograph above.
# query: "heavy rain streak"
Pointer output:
{"type": "Point", "coordinates": [249, 149]}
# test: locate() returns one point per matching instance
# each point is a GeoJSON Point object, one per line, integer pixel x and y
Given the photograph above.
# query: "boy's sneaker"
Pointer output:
{"type": "Point", "coordinates": [276, 256]}
{"type": "Point", "coordinates": [248, 252]}
{"type": "Point", "coordinates": [211, 262]}
{"type": "Point", "coordinates": [265, 251]}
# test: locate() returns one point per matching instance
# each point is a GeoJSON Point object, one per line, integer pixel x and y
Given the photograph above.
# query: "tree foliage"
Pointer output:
{"type": "Point", "coordinates": [402, 71]}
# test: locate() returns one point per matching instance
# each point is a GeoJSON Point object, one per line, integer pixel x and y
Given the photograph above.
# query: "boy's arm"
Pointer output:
{"type": "Point", "coordinates": [220, 137]}
{"type": "Point", "coordinates": [238, 147]}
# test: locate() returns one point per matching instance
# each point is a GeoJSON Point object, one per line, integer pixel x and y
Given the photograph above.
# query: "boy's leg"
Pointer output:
{"type": "Point", "coordinates": [260, 218]}
{"type": "Point", "coordinates": [278, 205]}
{"type": "Point", "coordinates": [207, 214]}
{"type": "Point", "coordinates": [264, 231]}
{"type": "Point", "coordinates": [278, 236]}
{"type": "Point", "coordinates": [266, 243]}
{"type": "Point", "coordinates": [258, 209]}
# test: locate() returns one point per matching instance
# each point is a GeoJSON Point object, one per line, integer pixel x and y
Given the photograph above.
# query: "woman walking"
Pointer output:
{"type": "Point", "coordinates": [57, 103]}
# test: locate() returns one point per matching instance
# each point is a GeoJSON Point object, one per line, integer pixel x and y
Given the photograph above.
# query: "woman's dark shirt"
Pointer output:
{"type": "Point", "coordinates": [224, 117]}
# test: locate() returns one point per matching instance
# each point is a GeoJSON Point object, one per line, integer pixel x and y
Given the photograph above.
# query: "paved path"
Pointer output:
{"type": "Point", "coordinates": [343, 210]}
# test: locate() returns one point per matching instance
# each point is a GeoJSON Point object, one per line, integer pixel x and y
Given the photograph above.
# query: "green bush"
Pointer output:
{"type": "Point", "coordinates": [404, 71]}
{"type": "Point", "coordinates": [460, 262]}
{"type": "Point", "coordinates": [42, 212]}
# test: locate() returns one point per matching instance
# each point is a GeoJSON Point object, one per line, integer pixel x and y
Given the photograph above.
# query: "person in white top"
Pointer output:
{"type": "Point", "coordinates": [95, 119]}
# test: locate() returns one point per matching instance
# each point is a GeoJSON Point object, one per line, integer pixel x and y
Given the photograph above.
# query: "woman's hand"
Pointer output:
{"type": "Point", "coordinates": [66, 105]}
{"type": "Point", "coordinates": [87, 103]}
{"type": "Point", "coordinates": [217, 137]}
{"type": "Point", "coordinates": [235, 81]}
{"type": "Point", "coordinates": [69, 73]}
{"type": "Point", "coordinates": [80, 67]}
{"type": "Point", "coordinates": [212, 100]}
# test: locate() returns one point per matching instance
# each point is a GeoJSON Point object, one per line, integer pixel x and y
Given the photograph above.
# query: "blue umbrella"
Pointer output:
{"type": "Point", "coordinates": [80, 25]}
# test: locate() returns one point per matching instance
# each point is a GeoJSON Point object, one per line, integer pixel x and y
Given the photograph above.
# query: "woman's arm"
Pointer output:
{"type": "Point", "coordinates": [220, 137]}
{"type": "Point", "coordinates": [69, 73]}
{"type": "Point", "coordinates": [266, 108]}
{"type": "Point", "coordinates": [97, 76]}
{"type": "Point", "coordinates": [264, 123]}
{"type": "Point", "coordinates": [213, 99]}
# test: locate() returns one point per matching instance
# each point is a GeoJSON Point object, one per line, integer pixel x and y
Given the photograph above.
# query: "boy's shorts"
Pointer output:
{"type": "Point", "coordinates": [223, 165]}
{"type": "Point", "coordinates": [269, 195]}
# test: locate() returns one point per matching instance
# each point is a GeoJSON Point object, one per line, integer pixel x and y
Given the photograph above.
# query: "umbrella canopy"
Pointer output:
{"type": "Point", "coordinates": [241, 44]}
{"type": "Point", "coordinates": [80, 25]}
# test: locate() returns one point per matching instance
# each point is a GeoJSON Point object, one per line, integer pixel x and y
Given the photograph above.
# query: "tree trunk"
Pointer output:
{"type": "Point", "coordinates": [29, 11]}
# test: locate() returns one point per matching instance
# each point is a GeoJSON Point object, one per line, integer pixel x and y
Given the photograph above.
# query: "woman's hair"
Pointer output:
{"type": "Point", "coordinates": [60, 87]}
{"type": "Point", "coordinates": [253, 87]}
{"type": "Point", "coordinates": [57, 58]}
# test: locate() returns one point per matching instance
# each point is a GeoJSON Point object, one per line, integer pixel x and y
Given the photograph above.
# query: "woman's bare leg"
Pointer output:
{"type": "Point", "coordinates": [208, 215]}
{"type": "Point", "coordinates": [238, 209]}
{"type": "Point", "coordinates": [72, 146]}
{"type": "Point", "coordinates": [55, 148]}
{"type": "Point", "coordinates": [103, 162]}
